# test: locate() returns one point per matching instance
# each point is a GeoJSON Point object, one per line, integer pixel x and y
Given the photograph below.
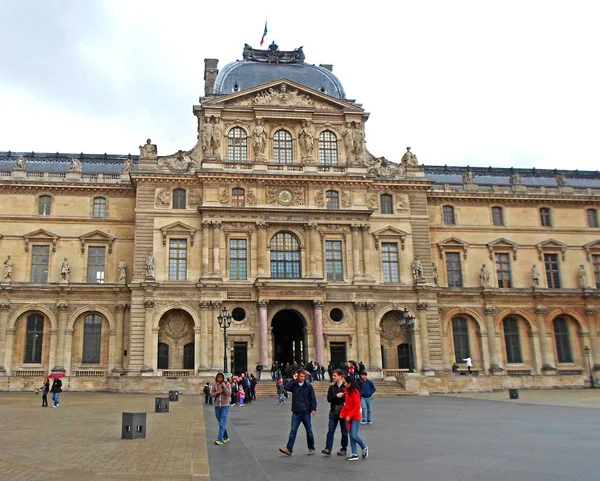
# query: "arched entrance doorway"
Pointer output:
{"type": "Point", "coordinates": [289, 337]}
{"type": "Point", "coordinates": [176, 340]}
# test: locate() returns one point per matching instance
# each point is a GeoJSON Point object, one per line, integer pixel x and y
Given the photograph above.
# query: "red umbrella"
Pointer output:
{"type": "Point", "coordinates": [56, 375]}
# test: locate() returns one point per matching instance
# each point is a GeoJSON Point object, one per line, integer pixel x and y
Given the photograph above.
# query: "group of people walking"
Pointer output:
{"type": "Point", "coordinates": [56, 389]}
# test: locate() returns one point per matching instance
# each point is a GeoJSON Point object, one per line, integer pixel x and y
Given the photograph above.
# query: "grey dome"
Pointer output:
{"type": "Point", "coordinates": [247, 74]}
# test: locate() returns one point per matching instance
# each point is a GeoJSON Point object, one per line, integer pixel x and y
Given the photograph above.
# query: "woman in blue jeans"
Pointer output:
{"type": "Point", "coordinates": [351, 413]}
{"type": "Point", "coordinates": [220, 391]}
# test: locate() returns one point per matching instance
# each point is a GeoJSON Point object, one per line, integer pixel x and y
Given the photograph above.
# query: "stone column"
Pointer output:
{"type": "Point", "coordinates": [424, 336]}
{"type": "Point", "coordinates": [112, 348]}
{"type": "Point", "coordinates": [217, 336]}
{"type": "Point", "coordinates": [595, 340]}
{"type": "Point", "coordinates": [318, 331]}
{"type": "Point", "coordinates": [4, 311]}
{"type": "Point", "coordinates": [197, 338]}
{"type": "Point", "coordinates": [10, 339]}
{"type": "Point", "coordinates": [204, 315]}
{"type": "Point", "coordinates": [261, 227]}
{"type": "Point", "coordinates": [69, 351]}
{"type": "Point", "coordinates": [537, 352]}
{"type": "Point", "coordinates": [120, 339]}
{"type": "Point", "coordinates": [366, 238]}
{"type": "Point", "coordinates": [356, 252]}
{"type": "Point", "coordinates": [63, 314]}
{"type": "Point", "coordinates": [263, 332]}
{"type": "Point", "coordinates": [374, 342]}
{"type": "Point", "coordinates": [547, 350]}
{"type": "Point", "coordinates": [53, 343]}
{"type": "Point", "coordinates": [362, 347]}
{"type": "Point", "coordinates": [495, 359]}
{"type": "Point", "coordinates": [148, 349]}
{"type": "Point", "coordinates": [217, 248]}
{"type": "Point", "coordinates": [205, 247]}
{"type": "Point", "coordinates": [312, 249]}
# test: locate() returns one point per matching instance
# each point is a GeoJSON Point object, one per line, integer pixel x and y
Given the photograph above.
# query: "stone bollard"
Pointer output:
{"type": "Point", "coordinates": [133, 426]}
{"type": "Point", "coordinates": [174, 396]}
{"type": "Point", "coordinates": [161, 405]}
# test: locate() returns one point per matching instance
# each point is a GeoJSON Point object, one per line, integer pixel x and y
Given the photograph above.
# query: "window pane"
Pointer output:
{"type": "Point", "coordinates": [99, 207]}
{"type": "Point", "coordinates": [386, 204]}
{"type": "Point", "coordinates": [545, 217]}
{"type": "Point", "coordinates": [238, 197]}
{"type": "Point", "coordinates": [39, 263]}
{"type": "Point", "coordinates": [552, 270]}
{"type": "Point", "coordinates": [512, 340]}
{"type": "Point", "coordinates": [596, 264]}
{"type": "Point", "coordinates": [92, 339]}
{"type": "Point", "coordinates": [163, 356]}
{"type": "Point", "coordinates": [497, 216]}
{"type": "Point", "coordinates": [179, 198]}
{"type": "Point", "coordinates": [282, 147]}
{"type": "Point", "coordinates": [328, 148]}
{"type": "Point", "coordinates": [503, 271]}
{"type": "Point", "coordinates": [285, 256]}
{"type": "Point", "coordinates": [448, 211]}
{"type": "Point", "coordinates": [563, 341]}
{"type": "Point", "coordinates": [334, 260]}
{"type": "Point", "coordinates": [44, 203]}
{"type": "Point", "coordinates": [592, 216]}
{"type": "Point", "coordinates": [236, 145]}
{"type": "Point", "coordinates": [460, 334]}
{"type": "Point", "coordinates": [178, 259]}
{"type": "Point", "coordinates": [237, 259]}
{"type": "Point", "coordinates": [34, 339]}
{"type": "Point", "coordinates": [333, 201]}
{"type": "Point", "coordinates": [389, 262]}
{"type": "Point", "coordinates": [95, 269]}
{"type": "Point", "coordinates": [453, 269]}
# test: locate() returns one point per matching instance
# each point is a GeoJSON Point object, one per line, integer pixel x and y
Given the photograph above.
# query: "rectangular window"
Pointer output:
{"type": "Point", "coordinates": [448, 212]}
{"type": "Point", "coordinates": [95, 267]}
{"type": "Point", "coordinates": [386, 202]}
{"type": "Point", "coordinates": [453, 269]}
{"type": "Point", "coordinates": [503, 271]}
{"type": "Point", "coordinates": [460, 334]}
{"type": "Point", "coordinates": [92, 339]}
{"type": "Point", "coordinates": [552, 270]}
{"type": "Point", "coordinates": [545, 219]}
{"type": "Point", "coordinates": [44, 204]}
{"type": "Point", "coordinates": [592, 216]}
{"type": "Point", "coordinates": [389, 261]}
{"type": "Point", "coordinates": [563, 340]}
{"type": "Point", "coordinates": [512, 340]}
{"type": "Point", "coordinates": [34, 339]}
{"type": "Point", "coordinates": [39, 263]}
{"type": "Point", "coordinates": [596, 264]}
{"type": "Point", "coordinates": [99, 207]}
{"type": "Point", "coordinates": [178, 259]}
{"type": "Point", "coordinates": [238, 260]}
{"type": "Point", "coordinates": [497, 216]}
{"type": "Point", "coordinates": [334, 260]}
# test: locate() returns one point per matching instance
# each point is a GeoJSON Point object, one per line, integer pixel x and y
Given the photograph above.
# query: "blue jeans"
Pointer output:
{"type": "Point", "coordinates": [333, 422]}
{"type": "Point", "coordinates": [298, 419]}
{"type": "Point", "coordinates": [222, 413]}
{"type": "Point", "coordinates": [354, 437]}
{"type": "Point", "coordinates": [55, 398]}
{"type": "Point", "coordinates": [366, 403]}
{"type": "Point", "coordinates": [280, 396]}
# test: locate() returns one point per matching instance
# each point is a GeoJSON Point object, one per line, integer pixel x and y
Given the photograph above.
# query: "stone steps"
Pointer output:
{"type": "Point", "coordinates": [384, 388]}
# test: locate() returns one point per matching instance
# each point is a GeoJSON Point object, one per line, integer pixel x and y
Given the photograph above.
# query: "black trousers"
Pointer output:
{"type": "Point", "coordinates": [45, 399]}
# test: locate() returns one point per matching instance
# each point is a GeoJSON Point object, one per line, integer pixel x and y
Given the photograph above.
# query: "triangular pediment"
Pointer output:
{"type": "Point", "coordinates": [591, 246]}
{"type": "Point", "coordinates": [41, 235]}
{"type": "Point", "coordinates": [392, 232]}
{"type": "Point", "coordinates": [453, 243]}
{"type": "Point", "coordinates": [502, 243]}
{"type": "Point", "coordinates": [552, 244]}
{"type": "Point", "coordinates": [180, 228]}
{"type": "Point", "coordinates": [96, 236]}
{"type": "Point", "coordinates": [282, 93]}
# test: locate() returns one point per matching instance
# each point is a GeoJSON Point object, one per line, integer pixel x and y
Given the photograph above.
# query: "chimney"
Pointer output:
{"type": "Point", "coordinates": [328, 66]}
{"type": "Point", "coordinates": [210, 74]}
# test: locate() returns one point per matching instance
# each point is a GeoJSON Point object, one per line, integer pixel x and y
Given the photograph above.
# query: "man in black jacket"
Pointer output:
{"type": "Point", "coordinates": [304, 405]}
{"type": "Point", "coordinates": [336, 399]}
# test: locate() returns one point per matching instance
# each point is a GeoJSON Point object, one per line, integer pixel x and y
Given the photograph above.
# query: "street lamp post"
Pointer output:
{"type": "Point", "coordinates": [224, 323]}
{"type": "Point", "coordinates": [587, 354]}
{"type": "Point", "coordinates": [407, 322]}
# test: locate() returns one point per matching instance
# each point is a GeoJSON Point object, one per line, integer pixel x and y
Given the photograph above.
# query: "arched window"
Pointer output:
{"type": "Point", "coordinates": [92, 337]}
{"type": "Point", "coordinates": [44, 204]}
{"type": "Point", "coordinates": [34, 338]}
{"type": "Point", "coordinates": [282, 147]}
{"type": "Point", "coordinates": [563, 340]}
{"type": "Point", "coordinates": [512, 339]}
{"type": "Point", "coordinates": [163, 356]}
{"type": "Point", "coordinates": [404, 357]}
{"type": "Point", "coordinates": [285, 256]}
{"type": "Point", "coordinates": [332, 199]}
{"type": "Point", "coordinates": [99, 207]}
{"type": "Point", "coordinates": [238, 197]}
{"type": "Point", "coordinates": [188, 356]}
{"type": "Point", "coordinates": [179, 199]}
{"type": "Point", "coordinates": [237, 149]}
{"type": "Point", "coordinates": [328, 154]}
{"type": "Point", "coordinates": [460, 334]}
{"type": "Point", "coordinates": [592, 217]}
{"type": "Point", "coordinates": [448, 214]}
{"type": "Point", "coordinates": [386, 204]}
{"type": "Point", "coordinates": [497, 216]}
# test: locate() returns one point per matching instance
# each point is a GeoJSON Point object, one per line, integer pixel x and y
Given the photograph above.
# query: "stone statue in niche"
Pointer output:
{"type": "Point", "coordinates": [148, 151]}
{"type": "Point", "coordinates": [210, 138]}
{"type": "Point", "coordinates": [468, 176]}
{"type": "Point", "coordinates": [409, 158]}
{"type": "Point", "coordinates": [436, 275]}
{"type": "Point", "coordinates": [8, 267]}
{"type": "Point", "coordinates": [348, 136]}
{"type": "Point", "coordinates": [21, 163]}
{"type": "Point", "coordinates": [484, 276]}
{"type": "Point", "coordinates": [307, 141]}
{"type": "Point", "coordinates": [127, 166]}
{"type": "Point", "coordinates": [75, 165]}
{"type": "Point", "coordinates": [150, 266]}
{"type": "Point", "coordinates": [216, 137]}
{"type": "Point", "coordinates": [515, 178]}
{"type": "Point", "coordinates": [417, 269]}
{"type": "Point", "coordinates": [582, 276]}
{"type": "Point", "coordinates": [535, 275]}
{"type": "Point", "coordinates": [259, 135]}
{"type": "Point", "coordinates": [359, 140]}
{"type": "Point", "coordinates": [65, 271]}
{"type": "Point", "coordinates": [122, 271]}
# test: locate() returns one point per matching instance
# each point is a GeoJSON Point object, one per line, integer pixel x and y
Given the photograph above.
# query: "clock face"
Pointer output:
{"type": "Point", "coordinates": [284, 196]}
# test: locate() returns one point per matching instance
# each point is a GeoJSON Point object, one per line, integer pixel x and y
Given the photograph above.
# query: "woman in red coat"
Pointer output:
{"type": "Point", "coordinates": [351, 413]}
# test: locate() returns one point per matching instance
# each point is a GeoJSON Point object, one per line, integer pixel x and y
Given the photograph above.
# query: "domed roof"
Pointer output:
{"type": "Point", "coordinates": [263, 66]}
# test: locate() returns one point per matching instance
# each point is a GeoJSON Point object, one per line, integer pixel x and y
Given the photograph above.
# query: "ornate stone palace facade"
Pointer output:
{"type": "Point", "coordinates": [116, 267]}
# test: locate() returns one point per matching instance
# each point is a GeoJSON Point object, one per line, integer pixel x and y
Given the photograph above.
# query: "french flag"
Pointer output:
{"type": "Point", "coordinates": [262, 39]}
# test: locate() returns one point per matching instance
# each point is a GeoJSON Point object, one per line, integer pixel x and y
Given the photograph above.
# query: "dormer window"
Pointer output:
{"type": "Point", "coordinates": [282, 147]}
{"type": "Point", "coordinates": [236, 87]}
{"type": "Point", "coordinates": [328, 154]}
{"type": "Point", "coordinates": [237, 149]}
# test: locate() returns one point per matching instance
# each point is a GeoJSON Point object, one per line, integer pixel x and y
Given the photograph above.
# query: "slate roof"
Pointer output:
{"type": "Point", "coordinates": [61, 162]}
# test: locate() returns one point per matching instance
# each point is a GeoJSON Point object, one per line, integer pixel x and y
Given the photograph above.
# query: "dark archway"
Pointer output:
{"type": "Point", "coordinates": [289, 339]}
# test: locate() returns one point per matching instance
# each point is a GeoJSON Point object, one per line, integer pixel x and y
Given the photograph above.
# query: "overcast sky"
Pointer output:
{"type": "Point", "coordinates": [512, 83]}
